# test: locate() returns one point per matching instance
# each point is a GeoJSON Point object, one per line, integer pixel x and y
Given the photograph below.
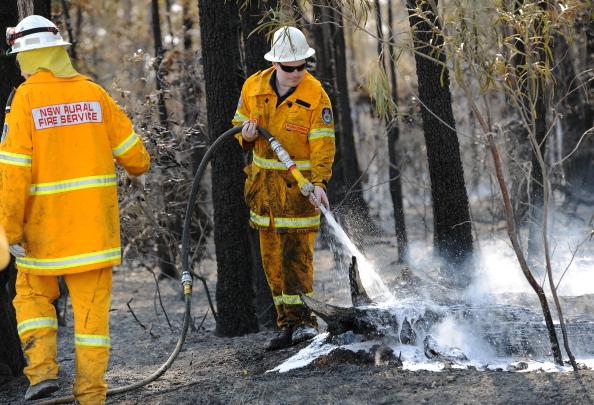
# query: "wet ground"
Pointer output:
{"type": "Point", "coordinates": [213, 370]}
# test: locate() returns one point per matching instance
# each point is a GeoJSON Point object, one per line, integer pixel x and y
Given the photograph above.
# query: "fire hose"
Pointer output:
{"type": "Point", "coordinates": [306, 188]}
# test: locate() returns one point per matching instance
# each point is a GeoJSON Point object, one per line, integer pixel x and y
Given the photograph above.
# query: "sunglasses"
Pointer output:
{"type": "Point", "coordinates": [291, 69]}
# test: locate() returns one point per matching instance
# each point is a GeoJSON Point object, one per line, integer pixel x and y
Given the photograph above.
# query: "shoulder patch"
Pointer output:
{"type": "Point", "coordinates": [327, 115]}
{"type": "Point", "coordinates": [4, 132]}
{"type": "Point", "coordinates": [9, 101]}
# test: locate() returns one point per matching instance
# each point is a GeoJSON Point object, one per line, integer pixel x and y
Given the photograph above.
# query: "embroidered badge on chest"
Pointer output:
{"type": "Point", "coordinates": [297, 128]}
{"type": "Point", "coordinates": [327, 115]}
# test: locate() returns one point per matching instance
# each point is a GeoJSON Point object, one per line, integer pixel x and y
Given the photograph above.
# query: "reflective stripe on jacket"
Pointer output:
{"type": "Point", "coordinates": [58, 187]}
{"type": "Point", "coordinates": [304, 125]}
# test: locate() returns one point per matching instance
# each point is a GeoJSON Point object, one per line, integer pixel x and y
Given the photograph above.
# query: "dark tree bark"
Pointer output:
{"type": "Point", "coordinates": [159, 51]}
{"type": "Point", "coordinates": [452, 235]}
{"type": "Point", "coordinates": [255, 46]}
{"type": "Point", "coordinates": [344, 190]}
{"type": "Point", "coordinates": [393, 133]}
{"type": "Point", "coordinates": [189, 87]}
{"type": "Point", "coordinates": [11, 356]}
{"type": "Point", "coordinates": [219, 29]}
{"type": "Point", "coordinates": [71, 38]}
{"type": "Point", "coordinates": [537, 128]}
{"type": "Point", "coordinates": [166, 255]}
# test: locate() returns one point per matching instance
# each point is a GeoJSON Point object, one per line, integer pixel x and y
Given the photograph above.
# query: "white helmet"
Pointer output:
{"type": "Point", "coordinates": [289, 45]}
{"type": "Point", "coordinates": [34, 32]}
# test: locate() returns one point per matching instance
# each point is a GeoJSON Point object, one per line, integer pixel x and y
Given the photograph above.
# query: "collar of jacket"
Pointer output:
{"type": "Point", "coordinates": [309, 90]}
{"type": "Point", "coordinates": [44, 76]}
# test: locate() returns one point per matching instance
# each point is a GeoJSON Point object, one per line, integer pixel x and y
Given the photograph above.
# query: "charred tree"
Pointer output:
{"type": "Point", "coordinates": [534, 99]}
{"type": "Point", "coordinates": [219, 25]}
{"type": "Point", "coordinates": [71, 38]}
{"type": "Point", "coordinates": [190, 90]}
{"type": "Point", "coordinates": [452, 233]}
{"type": "Point", "coordinates": [393, 132]}
{"type": "Point", "coordinates": [159, 51]}
{"type": "Point", "coordinates": [11, 356]}
{"type": "Point", "coordinates": [166, 255]}
{"type": "Point", "coordinates": [345, 191]}
{"type": "Point", "coordinates": [255, 46]}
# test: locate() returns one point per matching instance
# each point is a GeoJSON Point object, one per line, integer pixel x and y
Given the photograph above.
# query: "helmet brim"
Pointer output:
{"type": "Point", "coordinates": [39, 46]}
{"type": "Point", "coordinates": [289, 58]}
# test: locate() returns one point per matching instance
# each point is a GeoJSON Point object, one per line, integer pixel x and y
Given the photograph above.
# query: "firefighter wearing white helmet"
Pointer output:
{"type": "Point", "coordinates": [290, 103]}
{"type": "Point", "coordinates": [61, 136]}
{"type": "Point", "coordinates": [34, 32]}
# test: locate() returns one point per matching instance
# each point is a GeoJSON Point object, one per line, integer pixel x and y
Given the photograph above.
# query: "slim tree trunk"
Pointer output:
{"type": "Point", "coordinates": [344, 190]}
{"type": "Point", "coordinates": [219, 28]}
{"type": "Point", "coordinates": [166, 255]}
{"type": "Point", "coordinates": [537, 87]}
{"type": "Point", "coordinates": [71, 38]}
{"type": "Point", "coordinates": [393, 132]}
{"type": "Point", "coordinates": [158, 42]}
{"type": "Point", "coordinates": [452, 236]}
{"type": "Point", "coordinates": [513, 236]}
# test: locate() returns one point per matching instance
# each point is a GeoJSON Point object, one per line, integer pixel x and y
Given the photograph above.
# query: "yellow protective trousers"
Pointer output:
{"type": "Point", "coordinates": [288, 263]}
{"type": "Point", "coordinates": [38, 324]}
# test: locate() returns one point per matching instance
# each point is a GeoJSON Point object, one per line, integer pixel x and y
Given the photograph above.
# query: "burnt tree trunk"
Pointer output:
{"type": "Point", "coordinates": [344, 190]}
{"type": "Point", "coordinates": [255, 46]}
{"type": "Point", "coordinates": [539, 131]}
{"type": "Point", "coordinates": [393, 133]}
{"type": "Point", "coordinates": [165, 253]}
{"type": "Point", "coordinates": [190, 88]}
{"type": "Point", "coordinates": [71, 38]}
{"type": "Point", "coordinates": [452, 234]}
{"type": "Point", "coordinates": [11, 356]}
{"type": "Point", "coordinates": [219, 25]}
{"type": "Point", "coordinates": [158, 42]}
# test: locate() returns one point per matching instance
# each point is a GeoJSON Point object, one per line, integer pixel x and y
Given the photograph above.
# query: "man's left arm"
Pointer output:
{"type": "Point", "coordinates": [321, 143]}
{"type": "Point", "coordinates": [16, 158]}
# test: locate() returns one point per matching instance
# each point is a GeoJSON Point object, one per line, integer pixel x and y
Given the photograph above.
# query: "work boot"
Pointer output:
{"type": "Point", "coordinates": [281, 340]}
{"type": "Point", "coordinates": [302, 333]}
{"type": "Point", "coordinates": [41, 390]}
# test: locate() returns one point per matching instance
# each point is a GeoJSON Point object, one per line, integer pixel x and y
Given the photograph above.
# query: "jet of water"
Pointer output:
{"type": "Point", "coordinates": [373, 284]}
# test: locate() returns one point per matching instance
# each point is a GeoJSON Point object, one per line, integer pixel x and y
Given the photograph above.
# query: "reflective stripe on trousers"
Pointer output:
{"type": "Point", "coordinates": [70, 261]}
{"type": "Point", "coordinates": [287, 223]}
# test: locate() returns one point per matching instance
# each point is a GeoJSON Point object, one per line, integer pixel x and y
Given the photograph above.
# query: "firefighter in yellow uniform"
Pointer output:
{"type": "Point", "coordinates": [289, 102]}
{"type": "Point", "coordinates": [59, 207]}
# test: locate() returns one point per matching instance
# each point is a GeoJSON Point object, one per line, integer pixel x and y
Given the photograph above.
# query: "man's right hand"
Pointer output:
{"type": "Point", "coordinates": [249, 132]}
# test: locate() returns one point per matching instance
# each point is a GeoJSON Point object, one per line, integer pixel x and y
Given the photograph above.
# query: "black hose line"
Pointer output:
{"type": "Point", "coordinates": [186, 278]}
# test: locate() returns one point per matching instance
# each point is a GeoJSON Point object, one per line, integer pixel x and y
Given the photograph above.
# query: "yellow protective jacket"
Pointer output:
{"type": "Point", "coordinates": [304, 125]}
{"type": "Point", "coordinates": [58, 188]}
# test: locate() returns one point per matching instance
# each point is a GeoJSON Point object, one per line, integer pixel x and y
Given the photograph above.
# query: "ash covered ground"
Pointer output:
{"type": "Point", "coordinates": [213, 370]}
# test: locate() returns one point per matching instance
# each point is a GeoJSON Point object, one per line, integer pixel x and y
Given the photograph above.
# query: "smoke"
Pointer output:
{"type": "Point", "coordinates": [498, 270]}
{"type": "Point", "coordinates": [454, 332]}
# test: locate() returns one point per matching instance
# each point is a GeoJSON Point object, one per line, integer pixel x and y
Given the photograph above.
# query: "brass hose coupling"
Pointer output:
{"type": "Point", "coordinates": [186, 281]}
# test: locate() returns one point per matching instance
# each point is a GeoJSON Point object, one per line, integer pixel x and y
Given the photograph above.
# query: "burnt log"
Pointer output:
{"type": "Point", "coordinates": [359, 296]}
{"type": "Point", "coordinates": [435, 351]}
{"type": "Point", "coordinates": [408, 336]}
{"type": "Point", "coordinates": [370, 322]}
